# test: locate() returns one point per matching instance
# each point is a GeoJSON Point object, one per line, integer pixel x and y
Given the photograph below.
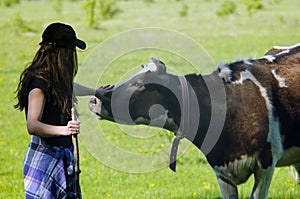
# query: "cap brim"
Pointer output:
{"type": "Point", "coordinates": [80, 44]}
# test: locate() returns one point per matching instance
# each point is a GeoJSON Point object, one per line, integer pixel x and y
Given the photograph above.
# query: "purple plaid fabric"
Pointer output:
{"type": "Point", "coordinates": [48, 171]}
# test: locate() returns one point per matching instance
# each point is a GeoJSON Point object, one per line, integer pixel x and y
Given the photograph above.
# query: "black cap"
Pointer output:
{"type": "Point", "coordinates": [62, 35]}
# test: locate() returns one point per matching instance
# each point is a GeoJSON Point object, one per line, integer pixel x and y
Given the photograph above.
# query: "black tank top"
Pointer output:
{"type": "Point", "coordinates": [52, 114]}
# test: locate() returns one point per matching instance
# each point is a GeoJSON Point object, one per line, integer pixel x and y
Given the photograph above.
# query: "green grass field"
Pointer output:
{"type": "Point", "coordinates": [224, 39]}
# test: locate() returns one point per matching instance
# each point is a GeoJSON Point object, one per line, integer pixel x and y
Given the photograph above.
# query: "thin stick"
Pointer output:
{"type": "Point", "coordinates": [76, 155]}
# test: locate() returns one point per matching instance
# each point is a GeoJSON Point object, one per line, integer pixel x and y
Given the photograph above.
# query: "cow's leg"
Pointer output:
{"type": "Point", "coordinates": [262, 181]}
{"type": "Point", "coordinates": [229, 191]}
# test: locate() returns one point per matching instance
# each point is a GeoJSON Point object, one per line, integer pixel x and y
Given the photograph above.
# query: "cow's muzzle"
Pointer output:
{"type": "Point", "coordinates": [95, 106]}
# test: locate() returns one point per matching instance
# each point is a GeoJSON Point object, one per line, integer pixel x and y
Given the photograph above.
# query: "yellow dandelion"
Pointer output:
{"type": "Point", "coordinates": [109, 137]}
{"type": "Point", "coordinates": [123, 135]}
{"type": "Point", "coordinates": [1, 79]}
{"type": "Point", "coordinates": [83, 159]}
{"type": "Point", "coordinates": [152, 185]}
{"type": "Point", "coordinates": [108, 195]}
{"type": "Point", "coordinates": [99, 172]}
{"type": "Point", "coordinates": [11, 150]}
{"type": "Point", "coordinates": [207, 187]}
{"type": "Point", "coordinates": [194, 193]}
{"type": "Point", "coordinates": [2, 143]}
{"type": "Point", "coordinates": [115, 137]}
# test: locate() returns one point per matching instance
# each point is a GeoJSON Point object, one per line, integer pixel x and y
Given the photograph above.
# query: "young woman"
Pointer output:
{"type": "Point", "coordinates": [45, 91]}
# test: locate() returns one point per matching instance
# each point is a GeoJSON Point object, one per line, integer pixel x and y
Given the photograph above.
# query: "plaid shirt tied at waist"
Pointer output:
{"type": "Point", "coordinates": [49, 171]}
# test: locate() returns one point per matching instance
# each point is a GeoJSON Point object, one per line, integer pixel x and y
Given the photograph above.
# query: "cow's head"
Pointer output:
{"type": "Point", "coordinates": [148, 97]}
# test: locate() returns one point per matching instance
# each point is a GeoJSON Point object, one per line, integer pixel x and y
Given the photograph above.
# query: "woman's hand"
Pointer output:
{"type": "Point", "coordinates": [102, 90]}
{"type": "Point", "coordinates": [73, 127]}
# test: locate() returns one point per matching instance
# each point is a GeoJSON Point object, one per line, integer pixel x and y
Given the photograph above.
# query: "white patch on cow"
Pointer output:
{"type": "Point", "coordinates": [220, 65]}
{"type": "Point", "coordinates": [281, 80]}
{"type": "Point", "coordinates": [236, 171]}
{"type": "Point", "coordinates": [287, 51]}
{"type": "Point", "coordinates": [225, 72]}
{"type": "Point", "coordinates": [244, 75]}
{"type": "Point", "coordinates": [287, 47]}
{"type": "Point", "coordinates": [247, 61]}
{"type": "Point", "coordinates": [270, 58]}
{"type": "Point", "coordinates": [148, 67]}
{"type": "Point", "coordinates": [274, 127]}
{"type": "Point", "coordinates": [274, 138]}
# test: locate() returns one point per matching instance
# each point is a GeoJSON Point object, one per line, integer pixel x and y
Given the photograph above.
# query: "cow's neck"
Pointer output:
{"type": "Point", "coordinates": [196, 123]}
{"type": "Point", "coordinates": [194, 102]}
{"type": "Point", "coordinates": [200, 121]}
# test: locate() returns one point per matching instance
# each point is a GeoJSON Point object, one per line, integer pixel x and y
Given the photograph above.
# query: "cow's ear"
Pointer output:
{"type": "Point", "coordinates": [161, 67]}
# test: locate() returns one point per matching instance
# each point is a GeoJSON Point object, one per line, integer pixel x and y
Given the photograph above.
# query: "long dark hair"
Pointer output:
{"type": "Point", "coordinates": [57, 67]}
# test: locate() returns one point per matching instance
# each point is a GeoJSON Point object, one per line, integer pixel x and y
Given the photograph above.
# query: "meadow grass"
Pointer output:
{"type": "Point", "coordinates": [224, 38]}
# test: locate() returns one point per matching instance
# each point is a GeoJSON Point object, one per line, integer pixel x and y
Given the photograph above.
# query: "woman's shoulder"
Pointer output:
{"type": "Point", "coordinates": [34, 80]}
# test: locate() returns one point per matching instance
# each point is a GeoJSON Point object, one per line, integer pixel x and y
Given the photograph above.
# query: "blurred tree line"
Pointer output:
{"type": "Point", "coordinates": [100, 10]}
{"type": "Point", "coordinates": [229, 7]}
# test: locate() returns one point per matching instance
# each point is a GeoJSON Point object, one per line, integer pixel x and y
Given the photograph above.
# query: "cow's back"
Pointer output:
{"type": "Point", "coordinates": [286, 68]}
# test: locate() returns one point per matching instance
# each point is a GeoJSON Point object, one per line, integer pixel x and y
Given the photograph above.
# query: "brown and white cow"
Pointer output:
{"type": "Point", "coordinates": [261, 124]}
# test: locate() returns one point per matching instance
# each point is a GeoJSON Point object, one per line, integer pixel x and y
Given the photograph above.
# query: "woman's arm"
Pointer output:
{"type": "Point", "coordinates": [36, 102]}
{"type": "Point", "coordinates": [81, 90]}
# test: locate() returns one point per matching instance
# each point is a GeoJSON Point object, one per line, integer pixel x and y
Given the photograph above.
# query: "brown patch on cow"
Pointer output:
{"type": "Point", "coordinates": [246, 127]}
{"type": "Point", "coordinates": [287, 66]}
